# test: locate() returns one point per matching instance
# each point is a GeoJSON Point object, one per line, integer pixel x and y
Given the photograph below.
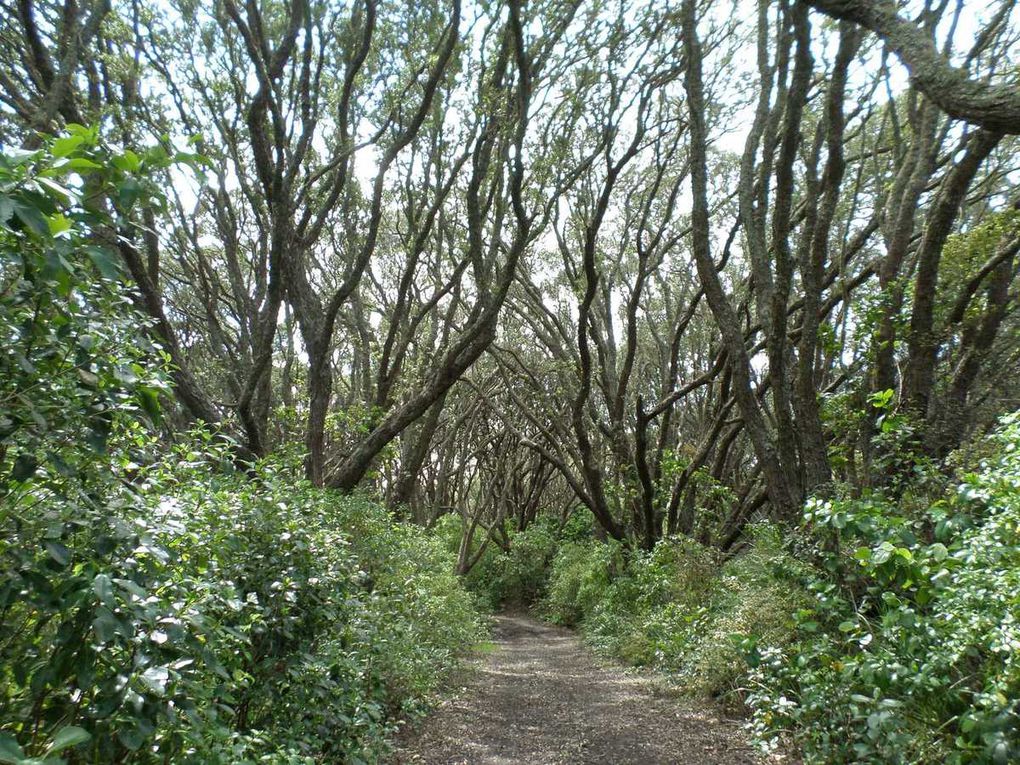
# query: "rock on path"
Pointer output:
{"type": "Point", "coordinates": [540, 699]}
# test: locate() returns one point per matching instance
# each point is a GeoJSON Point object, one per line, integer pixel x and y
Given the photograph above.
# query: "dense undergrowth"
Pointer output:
{"type": "Point", "coordinates": [889, 633]}
{"type": "Point", "coordinates": [157, 603]}
{"type": "Point", "coordinates": [217, 618]}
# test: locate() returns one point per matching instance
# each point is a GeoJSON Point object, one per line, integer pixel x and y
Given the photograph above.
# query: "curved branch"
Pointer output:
{"type": "Point", "coordinates": [994, 107]}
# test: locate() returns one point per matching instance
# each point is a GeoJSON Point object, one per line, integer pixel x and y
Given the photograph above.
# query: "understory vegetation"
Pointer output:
{"type": "Point", "coordinates": [884, 631]}
{"type": "Point", "coordinates": [226, 619]}
{"type": "Point", "coordinates": [158, 602]}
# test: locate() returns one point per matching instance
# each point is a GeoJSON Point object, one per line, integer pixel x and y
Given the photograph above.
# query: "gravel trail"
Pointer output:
{"type": "Point", "coordinates": [540, 698]}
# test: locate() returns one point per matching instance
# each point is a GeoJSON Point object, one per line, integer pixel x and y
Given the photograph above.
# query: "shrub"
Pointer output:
{"type": "Point", "coordinates": [893, 636]}
{"type": "Point", "coordinates": [578, 572]}
{"type": "Point", "coordinates": [164, 607]}
{"type": "Point", "coordinates": [909, 653]}
{"type": "Point", "coordinates": [678, 608]}
{"type": "Point", "coordinates": [227, 612]}
{"type": "Point", "coordinates": [516, 576]}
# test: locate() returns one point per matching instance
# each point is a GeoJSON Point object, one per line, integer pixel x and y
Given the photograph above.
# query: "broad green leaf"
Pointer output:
{"type": "Point", "coordinates": [89, 133]}
{"type": "Point", "coordinates": [883, 553]}
{"type": "Point", "coordinates": [68, 736]}
{"type": "Point", "coordinates": [105, 626]}
{"type": "Point", "coordinates": [10, 752]}
{"type": "Point", "coordinates": [16, 157]}
{"type": "Point", "coordinates": [106, 262]}
{"type": "Point", "coordinates": [127, 162]}
{"type": "Point", "coordinates": [58, 225]}
{"type": "Point", "coordinates": [62, 147]}
{"type": "Point", "coordinates": [156, 678]}
{"type": "Point", "coordinates": [80, 163]}
{"type": "Point", "coordinates": [148, 398]}
{"type": "Point", "coordinates": [31, 217]}
{"type": "Point", "coordinates": [58, 552]}
{"type": "Point", "coordinates": [24, 467]}
{"type": "Point", "coordinates": [62, 195]}
{"type": "Point", "coordinates": [131, 739]}
{"type": "Point", "coordinates": [103, 588]}
{"type": "Point", "coordinates": [128, 193]}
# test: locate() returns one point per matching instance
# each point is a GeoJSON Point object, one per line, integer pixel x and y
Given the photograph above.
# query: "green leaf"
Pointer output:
{"type": "Point", "coordinates": [98, 437]}
{"type": "Point", "coordinates": [128, 162]}
{"type": "Point", "coordinates": [883, 553]}
{"type": "Point", "coordinates": [58, 552]}
{"type": "Point", "coordinates": [88, 379]}
{"type": "Point", "coordinates": [65, 146]}
{"type": "Point", "coordinates": [63, 195]}
{"type": "Point", "coordinates": [128, 193]}
{"type": "Point", "coordinates": [16, 157]}
{"type": "Point", "coordinates": [24, 467]}
{"type": "Point", "coordinates": [106, 262]}
{"type": "Point", "coordinates": [58, 225]}
{"type": "Point", "coordinates": [6, 209]}
{"type": "Point", "coordinates": [131, 739]}
{"type": "Point", "coordinates": [904, 553]}
{"type": "Point", "coordinates": [80, 163]}
{"type": "Point", "coordinates": [103, 588]}
{"type": "Point", "coordinates": [68, 736]}
{"type": "Point", "coordinates": [74, 128]}
{"type": "Point", "coordinates": [149, 399]}
{"type": "Point", "coordinates": [105, 626]}
{"type": "Point", "coordinates": [890, 598]}
{"type": "Point", "coordinates": [31, 218]}
{"type": "Point", "coordinates": [155, 678]}
{"type": "Point", "coordinates": [10, 752]}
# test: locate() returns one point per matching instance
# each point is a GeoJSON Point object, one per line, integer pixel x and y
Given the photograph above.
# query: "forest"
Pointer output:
{"type": "Point", "coordinates": [337, 330]}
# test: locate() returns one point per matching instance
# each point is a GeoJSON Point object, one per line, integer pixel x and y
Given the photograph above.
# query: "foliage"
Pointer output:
{"type": "Point", "coordinates": [219, 613]}
{"type": "Point", "coordinates": [908, 653]}
{"type": "Point", "coordinates": [157, 604]}
{"type": "Point", "coordinates": [895, 643]}
{"type": "Point", "coordinates": [76, 366]}
{"type": "Point", "coordinates": [580, 577]}
{"type": "Point", "coordinates": [679, 608]}
{"type": "Point", "coordinates": [516, 575]}
{"type": "Point", "coordinates": [965, 252]}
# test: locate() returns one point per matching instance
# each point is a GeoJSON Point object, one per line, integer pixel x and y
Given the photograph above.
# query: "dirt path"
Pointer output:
{"type": "Point", "coordinates": [540, 699]}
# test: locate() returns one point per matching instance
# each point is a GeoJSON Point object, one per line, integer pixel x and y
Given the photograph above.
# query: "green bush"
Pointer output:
{"type": "Point", "coordinates": [211, 612]}
{"type": "Point", "coordinates": [215, 612]}
{"type": "Point", "coordinates": [516, 576]}
{"type": "Point", "coordinates": [679, 608]}
{"type": "Point", "coordinates": [892, 636]}
{"type": "Point", "coordinates": [909, 653]}
{"type": "Point", "coordinates": [579, 576]}
{"type": "Point", "coordinates": [158, 605]}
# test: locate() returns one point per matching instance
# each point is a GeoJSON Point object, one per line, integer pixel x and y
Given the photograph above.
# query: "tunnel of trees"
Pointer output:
{"type": "Point", "coordinates": [657, 270]}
